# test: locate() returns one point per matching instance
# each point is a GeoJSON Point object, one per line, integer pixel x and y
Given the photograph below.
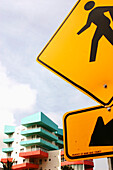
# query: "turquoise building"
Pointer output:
{"type": "Point", "coordinates": [32, 141]}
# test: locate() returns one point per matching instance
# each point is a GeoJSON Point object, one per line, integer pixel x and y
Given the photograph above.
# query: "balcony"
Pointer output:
{"type": "Point", "coordinates": [9, 130]}
{"type": "Point", "coordinates": [41, 132]}
{"type": "Point", "coordinates": [34, 154]}
{"type": "Point", "coordinates": [6, 150]}
{"type": "Point", "coordinates": [41, 120]}
{"type": "Point", "coordinates": [59, 142]}
{"type": "Point", "coordinates": [59, 132]}
{"type": "Point", "coordinates": [25, 166]}
{"type": "Point", "coordinates": [9, 140]}
{"type": "Point", "coordinates": [40, 142]}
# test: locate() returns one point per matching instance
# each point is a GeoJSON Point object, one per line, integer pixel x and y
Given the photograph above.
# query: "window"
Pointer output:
{"type": "Point", "coordinates": [33, 136]}
{"type": "Point", "coordinates": [21, 150]}
{"type": "Point", "coordinates": [37, 136]}
{"type": "Point", "coordinates": [33, 126]}
{"type": "Point", "coordinates": [22, 139]}
{"type": "Point", "coordinates": [10, 136]}
{"type": "Point", "coordinates": [78, 167]}
{"type": "Point", "coordinates": [37, 147]}
{"type": "Point", "coordinates": [23, 129]}
{"type": "Point", "coordinates": [15, 162]}
{"type": "Point", "coordinates": [33, 148]}
{"type": "Point", "coordinates": [40, 161]}
{"type": "Point", "coordinates": [9, 145]}
{"type": "Point", "coordinates": [9, 154]}
{"type": "Point", "coordinates": [31, 160]}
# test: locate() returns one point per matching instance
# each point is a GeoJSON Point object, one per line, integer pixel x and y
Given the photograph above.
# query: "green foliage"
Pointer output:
{"type": "Point", "coordinates": [8, 165]}
{"type": "Point", "coordinates": [67, 167]}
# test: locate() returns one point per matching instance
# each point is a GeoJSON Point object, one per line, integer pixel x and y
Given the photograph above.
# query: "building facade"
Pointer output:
{"type": "Point", "coordinates": [12, 142]}
{"type": "Point", "coordinates": [77, 165]}
{"type": "Point", "coordinates": [37, 144]}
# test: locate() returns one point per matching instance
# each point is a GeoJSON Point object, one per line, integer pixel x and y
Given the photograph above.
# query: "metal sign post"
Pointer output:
{"type": "Point", "coordinates": [110, 163]}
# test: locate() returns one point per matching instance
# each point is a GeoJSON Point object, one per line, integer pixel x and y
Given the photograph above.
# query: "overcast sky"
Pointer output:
{"type": "Point", "coordinates": [26, 87]}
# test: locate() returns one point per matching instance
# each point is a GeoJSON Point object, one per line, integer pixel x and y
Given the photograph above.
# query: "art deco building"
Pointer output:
{"type": "Point", "coordinates": [37, 145]}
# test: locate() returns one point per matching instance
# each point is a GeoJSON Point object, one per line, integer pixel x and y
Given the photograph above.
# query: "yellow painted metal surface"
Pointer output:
{"type": "Point", "coordinates": [88, 133]}
{"type": "Point", "coordinates": [68, 53]}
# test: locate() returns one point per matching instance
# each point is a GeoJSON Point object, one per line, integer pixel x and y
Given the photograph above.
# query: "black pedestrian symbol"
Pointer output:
{"type": "Point", "coordinates": [102, 134]}
{"type": "Point", "coordinates": [97, 17]}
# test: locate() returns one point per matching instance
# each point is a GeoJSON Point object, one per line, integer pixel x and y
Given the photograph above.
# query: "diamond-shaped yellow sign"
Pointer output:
{"type": "Point", "coordinates": [81, 50]}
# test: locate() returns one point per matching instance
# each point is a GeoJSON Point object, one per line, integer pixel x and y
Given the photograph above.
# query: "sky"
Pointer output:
{"type": "Point", "coordinates": [26, 87]}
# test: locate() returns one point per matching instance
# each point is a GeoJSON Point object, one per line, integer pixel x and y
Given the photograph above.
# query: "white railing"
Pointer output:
{"type": "Point", "coordinates": [35, 149]}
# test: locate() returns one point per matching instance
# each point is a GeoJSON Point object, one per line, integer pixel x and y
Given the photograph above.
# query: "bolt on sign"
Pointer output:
{"type": "Point", "coordinates": [81, 50]}
{"type": "Point", "coordinates": [88, 133]}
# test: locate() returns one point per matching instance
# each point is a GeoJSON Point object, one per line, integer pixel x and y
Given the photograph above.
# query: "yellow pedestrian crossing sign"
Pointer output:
{"type": "Point", "coordinates": [81, 50]}
{"type": "Point", "coordinates": [87, 133]}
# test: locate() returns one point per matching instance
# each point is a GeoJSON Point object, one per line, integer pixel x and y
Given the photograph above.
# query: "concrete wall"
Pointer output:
{"type": "Point", "coordinates": [53, 162]}
{"type": "Point", "coordinates": [16, 145]}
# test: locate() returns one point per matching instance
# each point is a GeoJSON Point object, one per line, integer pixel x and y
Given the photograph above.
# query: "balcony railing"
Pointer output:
{"type": "Point", "coordinates": [35, 149]}
{"type": "Point", "coordinates": [41, 131]}
{"type": "Point", "coordinates": [40, 142]}
{"type": "Point", "coordinates": [60, 142]}
{"type": "Point", "coordinates": [36, 137]}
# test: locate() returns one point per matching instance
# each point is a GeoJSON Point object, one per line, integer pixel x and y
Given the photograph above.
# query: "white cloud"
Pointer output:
{"type": "Point", "coordinates": [14, 97]}
{"type": "Point", "coordinates": [56, 118]}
